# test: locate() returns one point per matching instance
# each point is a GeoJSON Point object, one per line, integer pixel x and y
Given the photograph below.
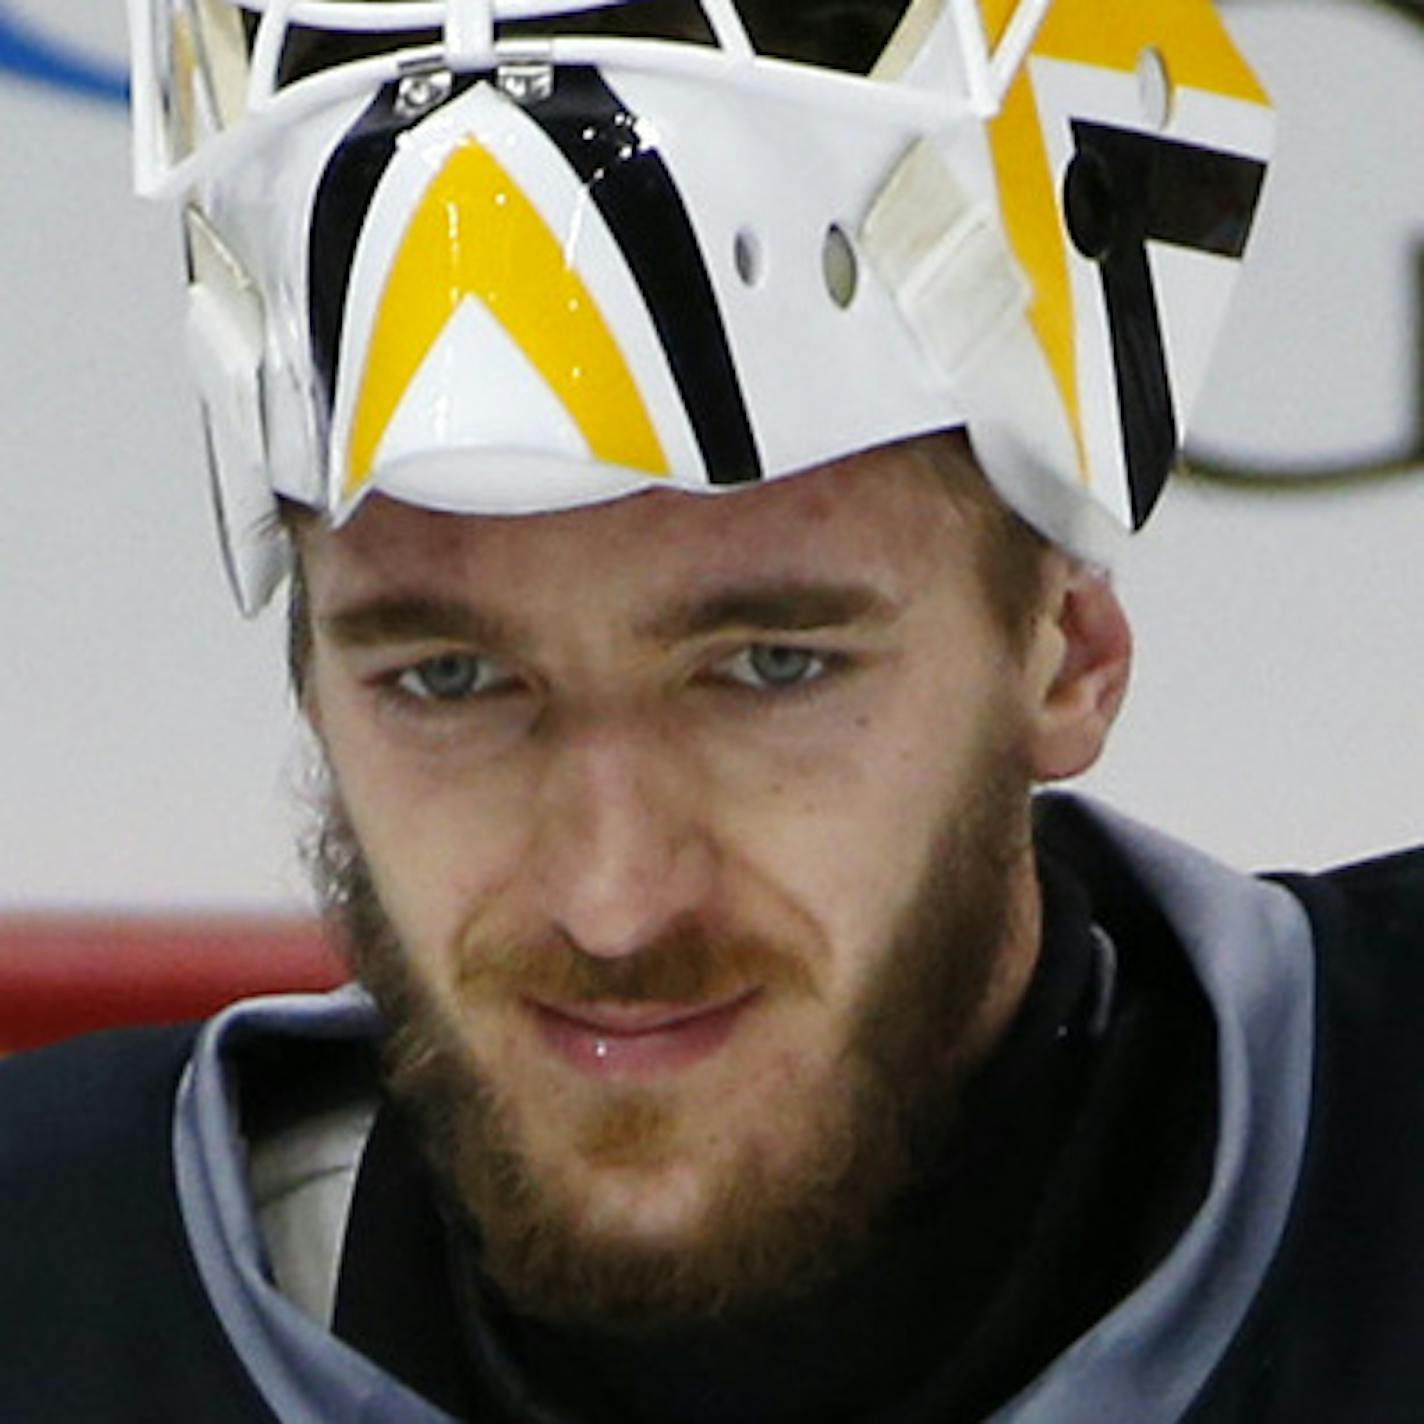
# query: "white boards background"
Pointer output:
{"type": "Point", "coordinates": [148, 755]}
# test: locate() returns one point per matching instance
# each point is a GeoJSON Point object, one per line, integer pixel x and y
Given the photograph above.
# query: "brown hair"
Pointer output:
{"type": "Point", "coordinates": [1010, 553]}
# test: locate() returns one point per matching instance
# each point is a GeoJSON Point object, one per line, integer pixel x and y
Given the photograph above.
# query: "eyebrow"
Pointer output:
{"type": "Point", "coordinates": [788, 607]}
{"type": "Point", "coordinates": [418, 618]}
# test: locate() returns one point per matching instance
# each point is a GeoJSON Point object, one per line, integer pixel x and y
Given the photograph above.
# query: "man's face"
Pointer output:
{"type": "Point", "coordinates": [697, 828]}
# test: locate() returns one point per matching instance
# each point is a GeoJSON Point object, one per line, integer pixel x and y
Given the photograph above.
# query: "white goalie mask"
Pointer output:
{"type": "Point", "coordinates": [506, 256]}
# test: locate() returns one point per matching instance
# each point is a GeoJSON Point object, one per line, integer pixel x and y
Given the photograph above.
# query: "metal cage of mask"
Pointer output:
{"type": "Point", "coordinates": [205, 67]}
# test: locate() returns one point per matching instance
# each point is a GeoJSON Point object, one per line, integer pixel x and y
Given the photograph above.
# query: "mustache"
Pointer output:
{"type": "Point", "coordinates": [687, 963]}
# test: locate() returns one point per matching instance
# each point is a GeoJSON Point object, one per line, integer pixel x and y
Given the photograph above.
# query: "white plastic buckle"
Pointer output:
{"type": "Point", "coordinates": [225, 346]}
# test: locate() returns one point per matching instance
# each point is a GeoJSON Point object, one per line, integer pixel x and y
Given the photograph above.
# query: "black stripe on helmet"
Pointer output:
{"type": "Point", "coordinates": [1124, 189]}
{"type": "Point", "coordinates": [639, 201]}
{"type": "Point", "coordinates": [343, 200]}
{"type": "Point", "coordinates": [641, 204]}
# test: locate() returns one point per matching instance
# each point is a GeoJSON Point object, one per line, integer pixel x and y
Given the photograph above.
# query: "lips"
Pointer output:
{"type": "Point", "coordinates": [610, 1040]}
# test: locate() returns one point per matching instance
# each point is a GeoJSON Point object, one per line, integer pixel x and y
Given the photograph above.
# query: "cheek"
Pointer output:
{"type": "Point", "coordinates": [431, 838]}
{"type": "Point", "coordinates": [843, 832]}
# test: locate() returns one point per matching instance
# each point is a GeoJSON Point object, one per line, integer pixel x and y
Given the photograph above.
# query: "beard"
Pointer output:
{"type": "Point", "coordinates": [770, 1227]}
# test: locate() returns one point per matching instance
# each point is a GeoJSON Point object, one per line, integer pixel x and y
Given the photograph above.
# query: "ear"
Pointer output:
{"type": "Point", "coordinates": [1079, 666]}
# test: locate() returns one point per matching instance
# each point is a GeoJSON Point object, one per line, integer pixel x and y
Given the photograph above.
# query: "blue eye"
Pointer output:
{"type": "Point", "coordinates": [776, 667]}
{"type": "Point", "coordinates": [451, 677]}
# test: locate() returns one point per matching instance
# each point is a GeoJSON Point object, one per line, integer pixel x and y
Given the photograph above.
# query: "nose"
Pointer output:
{"type": "Point", "coordinates": [620, 847]}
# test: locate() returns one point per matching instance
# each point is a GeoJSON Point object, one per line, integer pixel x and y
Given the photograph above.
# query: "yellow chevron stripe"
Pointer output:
{"type": "Point", "coordinates": [1110, 34]}
{"type": "Point", "coordinates": [1029, 200]}
{"type": "Point", "coordinates": [475, 234]}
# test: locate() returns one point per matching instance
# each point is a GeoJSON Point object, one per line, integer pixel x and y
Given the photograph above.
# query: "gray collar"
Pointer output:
{"type": "Point", "coordinates": [1251, 947]}
{"type": "Point", "coordinates": [305, 1374]}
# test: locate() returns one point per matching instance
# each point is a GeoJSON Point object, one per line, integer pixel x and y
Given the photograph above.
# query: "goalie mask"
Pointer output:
{"type": "Point", "coordinates": [506, 256]}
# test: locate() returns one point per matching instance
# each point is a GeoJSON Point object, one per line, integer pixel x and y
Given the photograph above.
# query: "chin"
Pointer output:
{"type": "Point", "coordinates": [662, 1207]}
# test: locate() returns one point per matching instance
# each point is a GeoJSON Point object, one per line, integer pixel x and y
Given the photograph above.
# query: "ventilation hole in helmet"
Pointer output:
{"type": "Point", "coordinates": [749, 258]}
{"type": "Point", "coordinates": [1154, 87]}
{"type": "Point", "coordinates": [840, 266]}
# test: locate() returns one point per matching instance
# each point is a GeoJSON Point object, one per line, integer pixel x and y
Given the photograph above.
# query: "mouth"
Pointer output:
{"type": "Point", "coordinates": [613, 1040]}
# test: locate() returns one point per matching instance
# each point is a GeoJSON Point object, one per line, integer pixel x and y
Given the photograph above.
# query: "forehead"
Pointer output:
{"type": "Point", "coordinates": [884, 517]}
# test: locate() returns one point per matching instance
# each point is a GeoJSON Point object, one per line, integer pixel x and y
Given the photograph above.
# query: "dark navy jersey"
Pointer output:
{"type": "Point", "coordinates": [1335, 1331]}
{"type": "Point", "coordinates": [103, 1315]}
{"type": "Point", "coordinates": [134, 1285]}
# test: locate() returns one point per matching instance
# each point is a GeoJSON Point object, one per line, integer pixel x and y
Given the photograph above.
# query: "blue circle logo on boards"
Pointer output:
{"type": "Point", "coordinates": [31, 52]}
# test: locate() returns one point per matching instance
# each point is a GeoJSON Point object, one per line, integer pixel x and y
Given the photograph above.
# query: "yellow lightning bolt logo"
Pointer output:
{"type": "Point", "coordinates": [476, 235]}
